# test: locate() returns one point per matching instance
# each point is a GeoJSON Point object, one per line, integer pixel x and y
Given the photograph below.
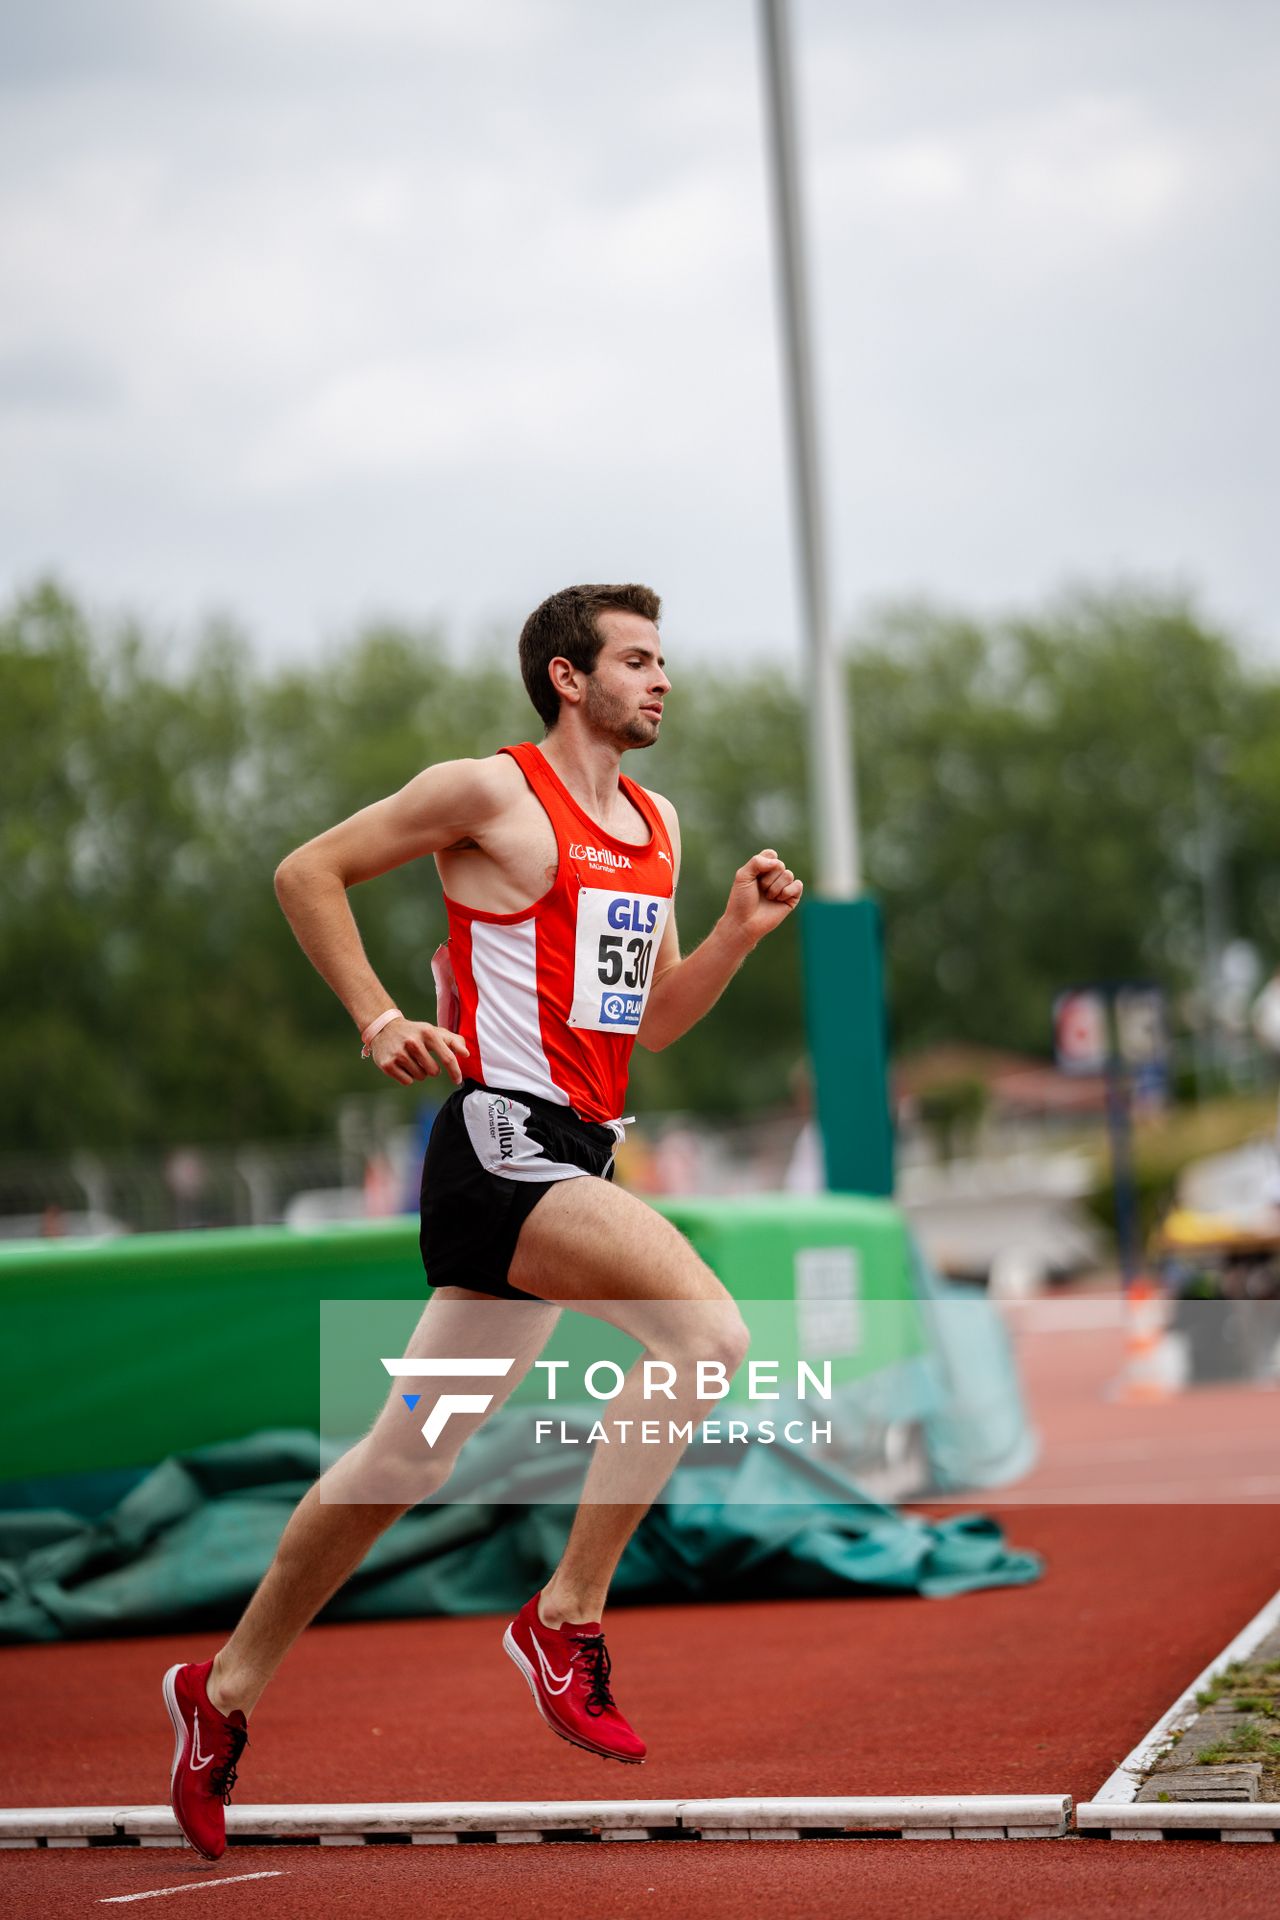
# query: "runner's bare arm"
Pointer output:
{"type": "Point", "coordinates": [763, 894]}
{"type": "Point", "coordinates": [455, 801]}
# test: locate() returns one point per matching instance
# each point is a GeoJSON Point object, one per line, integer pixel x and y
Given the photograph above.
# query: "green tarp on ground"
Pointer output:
{"type": "Point", "coordinates": [185, 1547]}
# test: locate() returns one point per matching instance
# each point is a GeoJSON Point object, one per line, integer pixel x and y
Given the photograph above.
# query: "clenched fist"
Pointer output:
{"type": "Point", "coordinates": [763, 893]}
{"type": "Point", "coordinates": [409, 1050]}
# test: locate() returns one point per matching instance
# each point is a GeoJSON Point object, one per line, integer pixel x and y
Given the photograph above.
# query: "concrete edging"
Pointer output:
{"type": "Point", "coordinates": [927, 1817]}
{"type": "Point", "coordinates": [1115, 1808]}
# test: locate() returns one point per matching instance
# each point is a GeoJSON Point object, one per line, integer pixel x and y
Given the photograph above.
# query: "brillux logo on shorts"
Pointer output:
{"type": "Point", "coordinates": [448, 1403]}
{"type": "Point", "coordinates": [504, 1128]}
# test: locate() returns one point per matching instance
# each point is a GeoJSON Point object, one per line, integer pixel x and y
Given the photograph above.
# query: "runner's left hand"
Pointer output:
{"type": "Point", "coordinates": [763, 893]}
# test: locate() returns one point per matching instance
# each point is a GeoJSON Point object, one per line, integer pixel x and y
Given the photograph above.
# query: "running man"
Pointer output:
{"type": "Point", "coordinates": [559, 877]}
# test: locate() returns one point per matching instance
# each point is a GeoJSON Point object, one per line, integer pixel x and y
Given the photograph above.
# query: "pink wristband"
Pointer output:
{"type": "Point", "coordinates": [375, 1027]}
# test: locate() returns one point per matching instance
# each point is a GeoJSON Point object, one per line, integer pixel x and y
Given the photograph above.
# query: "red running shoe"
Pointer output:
{"type": "Point", "coordinates": [206, 1746]}
{"type": "Point", "coordinates": [568, 1673]}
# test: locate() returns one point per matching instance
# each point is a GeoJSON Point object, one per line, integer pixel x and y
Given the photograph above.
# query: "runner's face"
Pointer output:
{"type": "Point", "coordinates": [624, 694]}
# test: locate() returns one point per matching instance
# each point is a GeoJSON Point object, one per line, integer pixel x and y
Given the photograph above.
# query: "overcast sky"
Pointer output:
{"type": "Point", "coordinates": [317, 308]}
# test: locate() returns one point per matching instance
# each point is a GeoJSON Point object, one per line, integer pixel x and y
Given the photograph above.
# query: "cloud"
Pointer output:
{"type": "Point", "coordinates": [501, 28]}
{"type": "Point", "coordinates": [417, 416]}
{"type": "Point", "coordinates": [41, 377]}
{"type": "Point", "coordinates": [357, 305]}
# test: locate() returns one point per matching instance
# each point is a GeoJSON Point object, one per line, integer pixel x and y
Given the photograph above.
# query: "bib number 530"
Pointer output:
{"type": "Point", "coordinates": [624, 964]}
{"type": "Point", "coordinates": [616, 937]}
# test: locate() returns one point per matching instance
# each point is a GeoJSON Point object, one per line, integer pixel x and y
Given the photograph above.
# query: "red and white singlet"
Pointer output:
{"type": "Point", "coordinates": [550, 998]}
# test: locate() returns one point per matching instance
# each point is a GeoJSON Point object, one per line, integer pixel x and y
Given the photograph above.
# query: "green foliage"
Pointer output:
{"type": "Point", "coordinates": [160, 993]}
{"type": "Point", "coordinates": [1028, 796]}
{"type": "Point", "coordinates": [952, 1111]}
{"type": "Point", "coordinates": [1026, 791]}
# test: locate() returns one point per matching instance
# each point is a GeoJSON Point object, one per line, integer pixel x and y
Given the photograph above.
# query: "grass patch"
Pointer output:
{"type": "Point", "coordinates": [1242, 1743]}
{"type": "Point", "coordinates": [1249, 1689]}
{"type": "Point", "coordinates": [1163, 1146]}
{"type": "Point", "coordinates": [1242, 1684]}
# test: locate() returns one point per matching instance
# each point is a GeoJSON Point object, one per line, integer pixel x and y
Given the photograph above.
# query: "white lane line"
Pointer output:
{"type": "Point", "coordinates": [194, 1886]}
{"type": "Point", "coordinates": [1250, 1490]}
{"type": "Point", "coordinates": [1105, 1452]}
{"type": "Point", "coordinates": [1064, 1316]}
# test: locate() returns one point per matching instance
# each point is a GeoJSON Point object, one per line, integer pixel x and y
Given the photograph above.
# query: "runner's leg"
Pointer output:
{"type": "Point", "coordinates": [340, 1517]}
{"type": "Point", "coordinates": [590, 1245]}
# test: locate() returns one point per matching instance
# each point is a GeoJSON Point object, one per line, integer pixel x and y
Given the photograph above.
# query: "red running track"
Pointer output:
{"type": "Point", "coordinates": [784, 1880]}
{"type": "Point", "coordinates": [1039, 1689]}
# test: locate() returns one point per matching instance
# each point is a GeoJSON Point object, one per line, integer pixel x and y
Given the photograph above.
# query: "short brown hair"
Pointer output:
{"type": "Point", "coordinates": [564, 627]}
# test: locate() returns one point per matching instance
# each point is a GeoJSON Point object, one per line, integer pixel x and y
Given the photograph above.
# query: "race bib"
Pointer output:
{"type": "Point", "coordinates": [617, 938]}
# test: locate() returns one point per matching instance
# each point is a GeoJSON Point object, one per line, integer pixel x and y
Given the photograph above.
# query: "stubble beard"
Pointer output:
{"type": "Point", "coordinates": [609, 717]}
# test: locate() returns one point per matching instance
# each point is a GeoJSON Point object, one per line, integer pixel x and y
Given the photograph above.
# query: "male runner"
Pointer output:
{"type": "Point", "coordinates": [559, 876]}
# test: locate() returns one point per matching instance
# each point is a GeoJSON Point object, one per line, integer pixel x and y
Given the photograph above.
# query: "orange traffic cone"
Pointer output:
{"type": "Point", "coordinates": [1150, 1372]}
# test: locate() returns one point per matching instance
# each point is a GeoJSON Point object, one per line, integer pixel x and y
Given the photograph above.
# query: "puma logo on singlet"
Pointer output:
{"type": "Point", "coordinates": [597, 856]}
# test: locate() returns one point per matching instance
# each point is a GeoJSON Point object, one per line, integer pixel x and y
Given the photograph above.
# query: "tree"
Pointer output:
{"type": "Point", "coordinates": [1026, 790]}
{"type": "Point", "coordinates": [1028, 796]}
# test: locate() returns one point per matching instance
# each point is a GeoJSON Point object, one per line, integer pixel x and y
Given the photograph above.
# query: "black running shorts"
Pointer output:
{"type": "Point", "coordinates": [490, 1158]}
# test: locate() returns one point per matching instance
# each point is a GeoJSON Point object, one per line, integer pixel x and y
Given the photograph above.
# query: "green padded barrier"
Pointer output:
{"type": "Point", "coordinates": [118, 1353]}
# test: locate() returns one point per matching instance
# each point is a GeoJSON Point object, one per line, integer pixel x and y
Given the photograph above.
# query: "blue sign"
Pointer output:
{"type": "Point", "coordinates": [622, 1009]}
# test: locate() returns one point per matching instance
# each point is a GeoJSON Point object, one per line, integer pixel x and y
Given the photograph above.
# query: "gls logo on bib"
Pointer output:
{"type": "Point", "coordinates": [617, 937]}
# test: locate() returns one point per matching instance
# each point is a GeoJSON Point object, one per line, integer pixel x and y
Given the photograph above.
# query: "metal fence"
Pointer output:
{"type": "Point", "coordinates": [371, 1169]}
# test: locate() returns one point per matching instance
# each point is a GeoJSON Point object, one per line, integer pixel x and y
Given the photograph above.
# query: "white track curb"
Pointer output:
{"type": "Point", "coordinates": [1115, 1810]}
{"type": "Point", "coordinates": [930, 1817]}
